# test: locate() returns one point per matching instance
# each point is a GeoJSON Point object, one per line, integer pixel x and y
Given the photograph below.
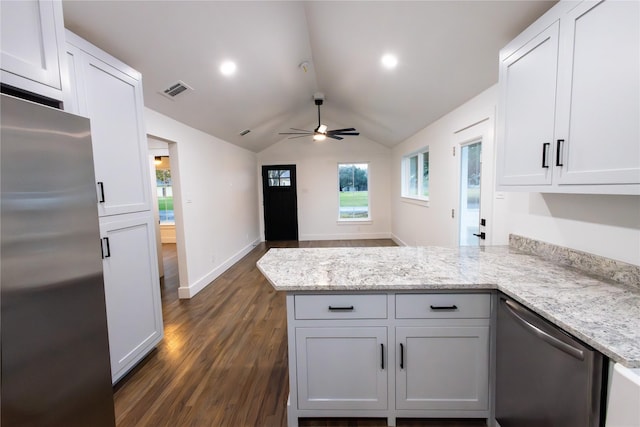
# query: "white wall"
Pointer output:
{"type": "Point", "coordinates": [605, 225]}
{"type": "Point", "coordinates": [421, 224]}
{"type": "Point", "coordinates": [216, 218]}
{"type": "Point", "coordinates": [317, 182]}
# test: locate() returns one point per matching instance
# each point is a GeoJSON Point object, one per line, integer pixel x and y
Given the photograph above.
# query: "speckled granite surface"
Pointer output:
{"type": "Point", "coordinates": [603, 313]}
{"type": "Point", "coordinates": [603, 267]}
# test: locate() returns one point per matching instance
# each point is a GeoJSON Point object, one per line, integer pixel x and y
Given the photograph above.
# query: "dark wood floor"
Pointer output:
{"type": "Point", "coordinates": [223, 360]}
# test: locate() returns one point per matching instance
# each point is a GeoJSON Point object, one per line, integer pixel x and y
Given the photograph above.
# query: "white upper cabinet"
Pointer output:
{"type": "Point", "coordinates": [109, 93]}
{"type": "Point", "coordinates": [528, 91]}
{"type": "Point", "coordinates": [32, 40]}
{"type": "Point", "coordinates": [599, 97]}
{"type": "Point", "coordinates": [569, 106]}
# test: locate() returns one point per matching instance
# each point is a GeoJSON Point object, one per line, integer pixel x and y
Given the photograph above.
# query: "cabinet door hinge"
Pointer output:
{"type": "Point", "coordinates": [454, 151]}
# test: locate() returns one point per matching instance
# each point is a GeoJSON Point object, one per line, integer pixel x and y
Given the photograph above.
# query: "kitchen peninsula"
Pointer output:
{"type": "Point", "coordinates": [367, 304]}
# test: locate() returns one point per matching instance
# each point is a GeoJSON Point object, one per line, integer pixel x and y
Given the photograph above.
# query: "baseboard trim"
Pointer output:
{"type": "Point", "coordinates": [345, 236]}
{"type": "Point", "coordinates": [398, 241]}
{"type": "Point", "coordinates": [187, 292]}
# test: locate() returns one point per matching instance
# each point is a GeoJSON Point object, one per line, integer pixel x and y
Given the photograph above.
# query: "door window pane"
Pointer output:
{"type": "Point", "coordinates": [470, 194]}
{"type": "Point", "coordinates": [279, 178]}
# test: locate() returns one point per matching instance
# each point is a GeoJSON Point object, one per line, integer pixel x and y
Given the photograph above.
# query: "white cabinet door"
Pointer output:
{"type": "Point", "coordinates": [342, 367]}
{"type": "Point", "coordinates": [527, 111]}
{"type": "Point", "coordinates": [132, 289]}
{"type": "Point", "coordinates": [110, 94]}
{"type": "Point", "coordinates": [442, 368]}
{"type": "Point", "coordinates": [599, 108]}
{"type": "Point", "coordinates": [32, 40]}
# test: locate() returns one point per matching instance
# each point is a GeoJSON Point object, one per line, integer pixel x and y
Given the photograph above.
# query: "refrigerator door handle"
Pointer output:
{"type": "Point", "coordinates": [570, 350]}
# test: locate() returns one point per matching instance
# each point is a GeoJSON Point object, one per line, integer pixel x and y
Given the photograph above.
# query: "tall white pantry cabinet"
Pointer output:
{"type": "Point", "coordinates": [109, 93]}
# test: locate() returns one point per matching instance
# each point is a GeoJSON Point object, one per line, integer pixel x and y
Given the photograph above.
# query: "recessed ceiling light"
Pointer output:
{"type": "Point", "coordinates": [389, 61]}
{"type": "Point", "coordinates": [228, 68]}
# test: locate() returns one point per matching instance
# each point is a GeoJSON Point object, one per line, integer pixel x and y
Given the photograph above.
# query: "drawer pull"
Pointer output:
{"type": "Point", "coordinates": [401, 356]}
{"type": "Point", "coordinates": [444, 307]}
{"type": "Point", "coordinates": [382, 356]}
{"type": "Point", "coordinates": [332, 308]}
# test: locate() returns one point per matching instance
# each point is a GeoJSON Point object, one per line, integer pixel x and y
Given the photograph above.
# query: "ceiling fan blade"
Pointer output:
{"type": "Point", "coordinates": [295, 133]}
{"type": "Point", "coordinates": [301, 130]}
{"type": "Point", "coordinates": [299, 136]}
{"type": "Point", "coordinates": [345, 133]}
{"type": "Point", "coordinates": [341, 130]}
{"type": "Point", "coordinates": [334, 137]}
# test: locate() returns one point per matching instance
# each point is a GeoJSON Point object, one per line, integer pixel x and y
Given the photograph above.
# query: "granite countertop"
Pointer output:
{"type": "Point", "coordinates": [603, 313]}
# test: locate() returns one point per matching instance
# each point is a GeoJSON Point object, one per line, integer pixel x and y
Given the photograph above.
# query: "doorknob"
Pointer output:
{"type": "Point", "coordinates": [481, 235]}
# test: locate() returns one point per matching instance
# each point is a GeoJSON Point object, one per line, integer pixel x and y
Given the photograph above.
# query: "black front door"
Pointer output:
{"type": "Point", "coordinates": [280, 202]}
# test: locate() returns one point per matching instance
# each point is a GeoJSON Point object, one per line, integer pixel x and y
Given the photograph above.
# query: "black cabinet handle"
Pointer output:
{"type": "Point", "coordinates": [401, 356]}
{"type": "Point", "coordinates": [101, 185]}
{"type": "Point", "coordinates": [101, 249]}
{"type": "Point", "coordinates": [382, 356]}
{"type": "Point", "coordinates": [444, 307]}
{"type": "Point", "coordinates": [559, 145]}
{"type": "Point", "coordinates": [545, 155]}
{"type": "Point", "coordinates": [106, 244]}
{"type": "Point", "coordinates": [332, 308]}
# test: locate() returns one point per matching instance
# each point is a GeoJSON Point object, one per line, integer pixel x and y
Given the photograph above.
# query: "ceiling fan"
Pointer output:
{"type": "Point", "coordinates": [321, 132]}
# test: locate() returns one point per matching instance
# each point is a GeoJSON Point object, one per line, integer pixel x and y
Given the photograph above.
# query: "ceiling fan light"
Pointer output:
{"type": "Point", "coordinates": [319, 137]}
{"type": "Point", "coordinates": [322, 129]}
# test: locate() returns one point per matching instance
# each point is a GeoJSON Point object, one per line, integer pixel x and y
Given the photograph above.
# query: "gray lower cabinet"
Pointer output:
{"type": "Point", "coordinates": [342, 368]}
{"type": "Point", "coordinates": [389, 355]}
{"type": "Point", "coordinates": [442, 368]}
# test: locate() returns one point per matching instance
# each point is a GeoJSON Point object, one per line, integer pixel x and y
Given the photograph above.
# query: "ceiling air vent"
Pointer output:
{"type": "Point", "coordinates": [244, 132]}
{"type": "Point", "coordinates": [176, 89]}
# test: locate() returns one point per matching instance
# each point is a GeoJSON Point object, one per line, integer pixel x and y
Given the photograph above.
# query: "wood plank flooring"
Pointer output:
{"type": "Point", "coordinates": [223, 361]}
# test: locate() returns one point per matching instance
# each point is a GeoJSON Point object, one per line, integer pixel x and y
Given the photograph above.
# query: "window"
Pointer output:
{"type": "Point", "coordinates": [165, 191]}
{"type": "Point", "coordinates": [279, 178]}
{"type": "Point", "coordinates": [415, 175]}
{"type": "Point", "coordinates": [353, 191]}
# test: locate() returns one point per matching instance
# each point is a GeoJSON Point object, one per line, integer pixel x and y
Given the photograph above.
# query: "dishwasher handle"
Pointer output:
{"type": "Point", "coordinates": [560, 345]}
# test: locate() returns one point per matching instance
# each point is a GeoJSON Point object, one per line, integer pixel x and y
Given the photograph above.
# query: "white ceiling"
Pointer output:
{"type": "Point", "coordinates": [447, 51]}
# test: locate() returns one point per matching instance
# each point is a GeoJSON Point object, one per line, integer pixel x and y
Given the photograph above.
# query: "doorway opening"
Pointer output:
{"type": "Point", "coordinates": [470, 192]}
{"type": "Point", "coordinates": [280, 202]}
{"type": "Point", "coordinates": [164, 190]}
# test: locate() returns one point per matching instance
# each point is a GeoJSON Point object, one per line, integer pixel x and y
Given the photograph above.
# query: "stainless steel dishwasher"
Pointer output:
{"type": "Point", "coordinates": [544, 377]}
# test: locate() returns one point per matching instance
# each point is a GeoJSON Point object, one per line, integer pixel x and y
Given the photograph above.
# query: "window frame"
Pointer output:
{"type": "Point", "coordinates": [352, 220]}
{"type": "Point", "coordinates": [405, 177]}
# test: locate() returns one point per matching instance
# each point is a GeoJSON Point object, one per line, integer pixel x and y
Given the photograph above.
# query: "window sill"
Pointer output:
{"type": "Point", "coordinates": [364, 221]}
{"type": "Point", "coordinates": [415, 201]}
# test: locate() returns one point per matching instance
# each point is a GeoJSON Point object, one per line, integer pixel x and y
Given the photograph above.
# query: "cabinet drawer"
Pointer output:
{"type": "Point", "coordinates": [348, 306]}
{"type": "Point", "coordinates": [443, 306]}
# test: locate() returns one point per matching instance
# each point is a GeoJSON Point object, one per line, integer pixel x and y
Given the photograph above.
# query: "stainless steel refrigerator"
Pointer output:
{"type": "Point", "coordinates": [53, 325]}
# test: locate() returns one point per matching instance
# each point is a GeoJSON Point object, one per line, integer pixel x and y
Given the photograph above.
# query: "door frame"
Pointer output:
{"type": "Point", "coordinates": [481, 131]}
{"type": "Point", "coordinates": [294, 181]}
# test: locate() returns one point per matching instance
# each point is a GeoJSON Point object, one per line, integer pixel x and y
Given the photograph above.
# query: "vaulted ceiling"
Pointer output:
{"type": "Point", "coordinates": [447, 53]}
